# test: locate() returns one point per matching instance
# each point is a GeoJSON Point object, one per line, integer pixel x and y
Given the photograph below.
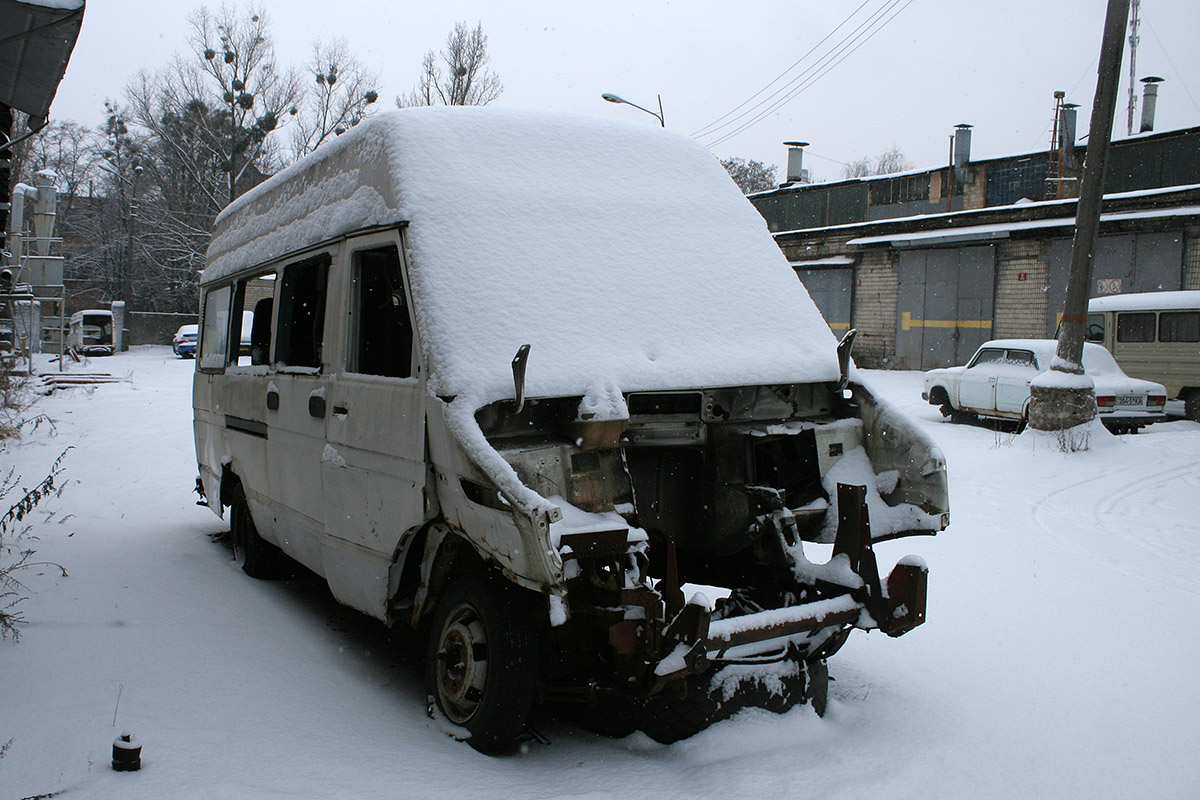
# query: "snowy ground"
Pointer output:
{"type": "Point", "coordinates": [1059, 657]}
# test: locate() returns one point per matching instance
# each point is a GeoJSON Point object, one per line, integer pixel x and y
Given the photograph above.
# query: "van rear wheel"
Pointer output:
{"type": "Point", "coordinates": [481, 663]}
{"type": "Point", "coordinates": [257, 557]}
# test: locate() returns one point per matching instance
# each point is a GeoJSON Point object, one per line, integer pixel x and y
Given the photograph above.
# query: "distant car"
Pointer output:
{"type": "Point", "coordinates": [995, 384]}
{"type": "Point", "coordinates": [184, 341]}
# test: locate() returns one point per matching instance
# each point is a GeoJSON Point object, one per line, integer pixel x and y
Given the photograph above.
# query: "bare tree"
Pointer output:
{"type": "Point", "coordinates": [460, 77]}
{"type": "Point", "coordinates": [237, 54]}
{"type": "Point", "coordinates": [66, 147]}
{"type": "Point", "coordinates": [750, 175]}
{"type": "Point", "coordinates": [891, 161]}
{"type": "Point", "coordinates": [888, 162]}
{"type": "Point", "coordinates": [343, 96]}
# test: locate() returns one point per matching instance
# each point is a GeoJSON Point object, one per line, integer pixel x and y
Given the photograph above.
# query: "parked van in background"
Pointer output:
{"type": "Point", "coordinates": [1154, 336]}
{"type": "Point", "coordinates": [91, 332]}
{"type": "Point", "coordinates": [544, 388]}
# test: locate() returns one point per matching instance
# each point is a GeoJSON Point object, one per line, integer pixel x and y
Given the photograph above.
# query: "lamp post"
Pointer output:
{"type": "Point", "coordinates": [612, 98]}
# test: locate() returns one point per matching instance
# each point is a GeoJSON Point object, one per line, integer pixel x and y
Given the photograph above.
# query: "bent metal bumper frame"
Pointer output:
{"type": "Point", "coordinates": [693, 640]}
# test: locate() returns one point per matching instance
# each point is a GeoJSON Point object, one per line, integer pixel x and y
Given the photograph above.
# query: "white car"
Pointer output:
{"type": "Point", "coordinates": [995, 384]}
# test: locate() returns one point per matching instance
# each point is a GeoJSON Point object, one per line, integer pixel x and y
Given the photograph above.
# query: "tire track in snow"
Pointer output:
{"type": "Point", "coordinates": [1122, 489]}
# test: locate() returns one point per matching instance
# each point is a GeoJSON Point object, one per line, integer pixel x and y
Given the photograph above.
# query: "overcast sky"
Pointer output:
{"type": "Point", "coordinates": [905, 79]}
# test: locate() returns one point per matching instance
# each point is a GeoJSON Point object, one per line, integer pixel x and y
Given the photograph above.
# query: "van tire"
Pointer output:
{"type": "Point", "coordinates": [485, 698]}
{"type": "Point", "coordinates": [680, 711]}
{"type": "Point", "coordinates": [257, 557]}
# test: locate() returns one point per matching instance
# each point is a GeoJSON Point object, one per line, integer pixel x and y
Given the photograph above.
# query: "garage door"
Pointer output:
{"type": "Point", "coordinates": [945, 303]}
{"type": "Point", "coordinates": [1143, 262]}
{"type": "Point", "coordinates": [831, 288]}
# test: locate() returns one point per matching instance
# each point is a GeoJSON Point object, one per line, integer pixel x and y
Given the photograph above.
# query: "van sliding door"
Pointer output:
{"type": "Point", "coordinates": [295, 405]}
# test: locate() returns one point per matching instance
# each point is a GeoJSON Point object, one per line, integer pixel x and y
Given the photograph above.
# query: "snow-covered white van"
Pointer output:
{"type": "Point", "coordinates": [91, 332]}
{"type": "Point", "coordinates": [1154, 336]}
{"type": "Point", "coordinates": [544, 387]}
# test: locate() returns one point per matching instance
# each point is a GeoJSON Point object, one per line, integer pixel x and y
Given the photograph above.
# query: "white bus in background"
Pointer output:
{"type": "Point", "coordinates": [1154, 336]}
{"type": "Point", "coordinates": [91, 332]}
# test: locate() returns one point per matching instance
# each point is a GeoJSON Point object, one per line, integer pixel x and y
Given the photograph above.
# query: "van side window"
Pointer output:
{"type": "Point", "coordinates": [214, 333]}
{"type": "Point", "coordinates": [252, 304]}
{"type": "Point", "coordinates": [301, 327]}
{"type": "Point", "coordinates": [1135, 327]}
{"type": "Point", "coordinates": [383, 332]}
{"type": "Point", "coordinates": [1095, 328]}
{"type": "Point", "coordinates": [1179, 326]}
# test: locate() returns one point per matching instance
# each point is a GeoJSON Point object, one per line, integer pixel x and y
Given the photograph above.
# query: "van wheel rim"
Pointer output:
{"type": "Point", "coordinates": [462, 664]}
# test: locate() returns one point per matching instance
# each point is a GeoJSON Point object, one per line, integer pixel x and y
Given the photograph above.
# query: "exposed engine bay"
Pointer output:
{"type": "Point", "coordinates": [686, 520]}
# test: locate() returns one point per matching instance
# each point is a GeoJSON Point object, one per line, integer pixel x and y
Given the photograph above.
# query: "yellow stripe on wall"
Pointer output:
{"type": "Point", "coordinates": [907, 323]}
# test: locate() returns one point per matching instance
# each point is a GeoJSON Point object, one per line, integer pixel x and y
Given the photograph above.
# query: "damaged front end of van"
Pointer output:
{"type": "Point", "coordinates": [697, 551]}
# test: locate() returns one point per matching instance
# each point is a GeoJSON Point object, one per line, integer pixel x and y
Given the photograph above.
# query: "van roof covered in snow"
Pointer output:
{"type": "Point", "coordinates": [621, 252]}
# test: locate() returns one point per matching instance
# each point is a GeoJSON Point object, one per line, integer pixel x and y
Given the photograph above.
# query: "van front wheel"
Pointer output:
{"type": "Point", "coordinates": [482, 661]}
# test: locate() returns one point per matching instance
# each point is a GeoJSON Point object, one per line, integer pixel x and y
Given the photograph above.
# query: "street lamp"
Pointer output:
{"type": "Point", "coordinates": [612, 98]}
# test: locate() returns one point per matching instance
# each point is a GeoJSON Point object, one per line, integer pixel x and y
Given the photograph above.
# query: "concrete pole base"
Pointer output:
{"type": "Point", "coordinates": [1055, 408]}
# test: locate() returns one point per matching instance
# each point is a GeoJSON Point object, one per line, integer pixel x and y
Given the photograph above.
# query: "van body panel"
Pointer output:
{"type": "Point", "coordinates": [1132, 327]}
{"type": "Point", "coordinates": [520, 547]}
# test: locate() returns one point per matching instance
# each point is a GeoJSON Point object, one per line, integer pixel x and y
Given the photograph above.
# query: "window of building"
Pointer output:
{"type": "Point", "coordinates": [906, 189]}
{"type": "Point", "coordinates": [300, 331]}
{"type": "Point", "coordinates": [382, 328]}
{"type": "Point", "coordinates": [1135, 327]}
{"type": "Point", "coordinates": [1179, 326]}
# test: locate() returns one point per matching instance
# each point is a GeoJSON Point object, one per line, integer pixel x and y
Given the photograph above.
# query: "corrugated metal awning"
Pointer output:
{"type": "Point", "coordinates": [1001, 230]}
{"type": "Point", "coordinates": [36, 40]}
{"type": "Point", "coordinates": [828, 261]}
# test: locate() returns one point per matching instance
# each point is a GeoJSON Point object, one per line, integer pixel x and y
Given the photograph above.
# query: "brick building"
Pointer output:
{"type": "Point", "coordinates": [930, 263]}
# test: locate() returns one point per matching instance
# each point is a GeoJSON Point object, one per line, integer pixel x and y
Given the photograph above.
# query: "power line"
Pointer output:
{"type": "Point", "coordinates": [779, 77]}
{"type": "Point", "coordinates": [1166, 55]}
{"type": "Point", "coordinates": [804, 75]}
{"type": "Point", "coordinates": [831, 60]}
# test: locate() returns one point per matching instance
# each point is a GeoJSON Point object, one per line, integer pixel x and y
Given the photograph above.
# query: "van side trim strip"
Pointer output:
{"type": "Point", "coordinates": [248, 426]}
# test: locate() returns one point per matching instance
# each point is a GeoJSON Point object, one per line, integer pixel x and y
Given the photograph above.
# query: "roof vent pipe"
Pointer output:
{"type": "Point", "coordinates": [1067, 128]}
{"type": "Point", "coordinates": [962, 152]}
{"type": "Point", "coordinates": [1149, 101]}
{"type": "Point", "coordinates": [962, 145]}
{"type": "Point", "coordinates": [795, 163]}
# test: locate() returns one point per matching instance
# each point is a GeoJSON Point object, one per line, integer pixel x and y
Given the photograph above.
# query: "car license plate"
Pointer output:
{"type": "Point", "coordinates": [1130, 400]}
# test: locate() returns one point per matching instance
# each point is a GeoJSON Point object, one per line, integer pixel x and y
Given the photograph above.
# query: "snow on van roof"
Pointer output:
{"type": "Point", "coordinates": [621, 252]}
{"type": "Point", "coordinates": [1146, 301]}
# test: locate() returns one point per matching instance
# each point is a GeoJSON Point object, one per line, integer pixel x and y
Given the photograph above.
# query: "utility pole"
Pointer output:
{"type": "Point", "coordinates": [1064, 397]}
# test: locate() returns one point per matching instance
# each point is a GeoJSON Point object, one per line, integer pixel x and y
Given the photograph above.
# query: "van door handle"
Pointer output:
{"type": "Point", "coordinates": [340, 411]}
{"type": "Point", "coordinates": [272, 400]}
{"type": "Point", "coordinates": [316, 406]}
